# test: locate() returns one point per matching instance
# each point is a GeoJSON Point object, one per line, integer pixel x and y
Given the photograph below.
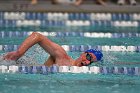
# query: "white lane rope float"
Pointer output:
{"type": "Point", "coordinates": [82, 48]}
{"type": "Point", "coordinates": [133, 71]}
{"type": "Point", "coordinates": [11, 34]}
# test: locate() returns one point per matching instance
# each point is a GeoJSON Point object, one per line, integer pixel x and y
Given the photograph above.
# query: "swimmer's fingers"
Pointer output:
{"type": "Point", "coordinates": [6, 57]}
{"type": "Point", "coordinates": [10, 56]}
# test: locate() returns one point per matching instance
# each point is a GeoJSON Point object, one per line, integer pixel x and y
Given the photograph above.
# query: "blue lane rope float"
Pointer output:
{"type": "Point", "coordinates": [14, 19]}
{"type": "Point", "coordinates": [133, 71]}
{"type": "Point", "coordinates": [68, 23]}
{"type": "Point", "coordinates": [69, 16]}
{"type": "Point", "coordinates": [82, 48]}
{"type": "Point", "coordinates": [10, 34]}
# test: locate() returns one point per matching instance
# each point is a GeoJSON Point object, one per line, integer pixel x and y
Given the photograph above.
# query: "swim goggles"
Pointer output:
{"type": "Point", "coordinates": [90, 58]}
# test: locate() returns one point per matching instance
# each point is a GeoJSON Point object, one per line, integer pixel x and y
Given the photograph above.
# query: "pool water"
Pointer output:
{"type": "Point", "coordinates": [68, 82]}
{"type": "Point", "coordinates": [110, 57]}
{"type": "Point", "coordinates": [61, 83]}
{"type": "Point", "coordinates": [77, 83]}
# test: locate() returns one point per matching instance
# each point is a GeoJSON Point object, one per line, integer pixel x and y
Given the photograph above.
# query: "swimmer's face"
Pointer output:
{"type": "Point", "coordinates": [86, 59]}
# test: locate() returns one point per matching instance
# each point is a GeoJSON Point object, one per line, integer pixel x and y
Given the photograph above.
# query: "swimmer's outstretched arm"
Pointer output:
{"type": "Point", "coordinates": [36, 38]}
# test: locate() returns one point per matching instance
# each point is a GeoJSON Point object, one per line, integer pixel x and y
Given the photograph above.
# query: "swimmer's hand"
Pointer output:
{"type": "Point", "coordinates": [12, 56]}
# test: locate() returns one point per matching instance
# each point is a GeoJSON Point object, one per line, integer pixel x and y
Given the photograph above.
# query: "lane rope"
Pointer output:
{"type": "Point", "coordinates": [82, 48]}
{"type": "Point", "coordinates": [133, 71]}
{"type": "Point", "coordinates": [11, 34]}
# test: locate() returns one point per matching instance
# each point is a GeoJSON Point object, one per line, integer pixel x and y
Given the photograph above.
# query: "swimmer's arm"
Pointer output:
{"type": "Point", "coordinates": [52, 48]}
{"type": "Point", "coordinates": [50, 61]}
{"type": "Point", "coordinates": [35, 38]}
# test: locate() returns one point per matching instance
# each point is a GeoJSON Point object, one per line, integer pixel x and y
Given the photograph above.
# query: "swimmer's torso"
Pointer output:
{"type": "Point", "coordinates": [61, 61]}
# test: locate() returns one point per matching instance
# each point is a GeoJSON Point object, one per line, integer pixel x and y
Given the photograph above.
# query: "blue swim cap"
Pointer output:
{"type": "Point", "coordinates": [97, 53]}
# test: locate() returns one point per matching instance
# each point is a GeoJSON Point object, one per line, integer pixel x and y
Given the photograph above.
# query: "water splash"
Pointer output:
{"type": "Point", "coordinates": [109, 58]}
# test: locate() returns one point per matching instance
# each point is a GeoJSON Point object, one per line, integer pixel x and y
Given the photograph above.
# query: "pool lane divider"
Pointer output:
{"type": "Point", "coordinates": [11, 34]}
{"type": "Point", "coordinates": [68, 16]}
{"type": "Point", "coordinates": [133, 71]}
{"type": "Point", "coordinates": [82, 48]}
{"type": "Point", "coordinates": [14, 19]}
{"type": "Point", "coordinates": [68, 23]}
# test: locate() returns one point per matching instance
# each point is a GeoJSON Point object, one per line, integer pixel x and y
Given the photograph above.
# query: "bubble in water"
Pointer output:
{"type": "Point", "coordinates": [115, 86]}
{"type": "Point", "coordinates": [6, 79]}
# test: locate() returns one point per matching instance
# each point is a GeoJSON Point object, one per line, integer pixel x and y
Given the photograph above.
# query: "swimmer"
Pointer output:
{"type": "Point", "coordinates": [58, 55]}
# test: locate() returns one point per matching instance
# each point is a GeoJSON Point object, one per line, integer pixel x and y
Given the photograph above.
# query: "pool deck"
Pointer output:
{"type": "Point", "coordinates": [46, 6]}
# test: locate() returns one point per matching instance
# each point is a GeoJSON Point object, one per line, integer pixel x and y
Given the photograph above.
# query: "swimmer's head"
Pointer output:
{"type": "Point", "coordinates": [98, 54]}
{"type": "Point", "coordinates": [90, 56]}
